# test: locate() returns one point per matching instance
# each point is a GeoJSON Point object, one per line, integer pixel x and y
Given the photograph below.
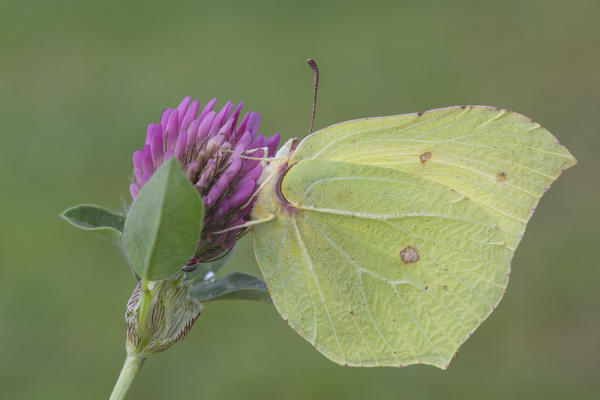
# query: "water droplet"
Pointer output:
{"type": "Point", "coordinates": [210, 276]}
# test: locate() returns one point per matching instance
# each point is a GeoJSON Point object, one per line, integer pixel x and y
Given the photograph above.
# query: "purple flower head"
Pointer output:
{"type": "Point", "coordinates": [212, 149]}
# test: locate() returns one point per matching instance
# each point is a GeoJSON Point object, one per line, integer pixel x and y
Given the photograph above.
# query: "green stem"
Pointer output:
{"type": "Point", "coordinates": [133, 364]}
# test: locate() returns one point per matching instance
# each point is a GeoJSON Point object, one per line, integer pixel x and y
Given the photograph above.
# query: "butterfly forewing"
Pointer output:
{"type": "Point", "coordinates": [500, 159]}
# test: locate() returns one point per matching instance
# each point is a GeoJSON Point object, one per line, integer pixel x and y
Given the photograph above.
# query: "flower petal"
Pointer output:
{"type": "Point", "coordinates": [180, 146]}
{"type": "Point", "coordinates": [183, 106]}
{"type": "Point", "coordinates": [190, 114]}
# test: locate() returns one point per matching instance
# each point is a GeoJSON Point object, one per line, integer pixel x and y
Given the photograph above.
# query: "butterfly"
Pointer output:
{"type": "Point", "coordinates": [387, 241]}
{"type": "Point", "coordinates": [382, 241]}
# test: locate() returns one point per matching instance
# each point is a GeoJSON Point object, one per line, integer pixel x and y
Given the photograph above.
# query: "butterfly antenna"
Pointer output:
{"type": "Point", "coordinates": [313, 65]}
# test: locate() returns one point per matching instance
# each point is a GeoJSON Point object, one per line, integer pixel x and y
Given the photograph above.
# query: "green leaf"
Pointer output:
{"type": "Point", "coordinates": [164, 223]}
{"type": "Point", "coordinates": [236, 285]}
{"type": "Point", "coordinates": [94, 218]}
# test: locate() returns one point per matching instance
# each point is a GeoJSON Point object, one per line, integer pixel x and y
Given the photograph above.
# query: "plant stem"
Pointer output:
{"type": "Point", "coordinates": [133, 364]}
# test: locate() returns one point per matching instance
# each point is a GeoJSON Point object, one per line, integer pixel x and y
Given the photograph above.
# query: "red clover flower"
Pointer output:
{"type": "Point", "coordinates": [218, 156]}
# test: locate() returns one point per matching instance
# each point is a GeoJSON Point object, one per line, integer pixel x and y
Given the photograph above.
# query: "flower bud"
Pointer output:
{"type": "Point", "coordinates": [159, 315]}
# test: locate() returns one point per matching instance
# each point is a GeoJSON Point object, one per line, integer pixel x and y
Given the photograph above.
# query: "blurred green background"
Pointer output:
{"type": "Point", "coordinates": [79, 82]}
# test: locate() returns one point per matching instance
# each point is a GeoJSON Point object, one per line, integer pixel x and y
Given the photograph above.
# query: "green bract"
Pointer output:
{"type": "Point", "coordinates": [390, 239]}
{"type": "Point", "coordinates": [164, 223]}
